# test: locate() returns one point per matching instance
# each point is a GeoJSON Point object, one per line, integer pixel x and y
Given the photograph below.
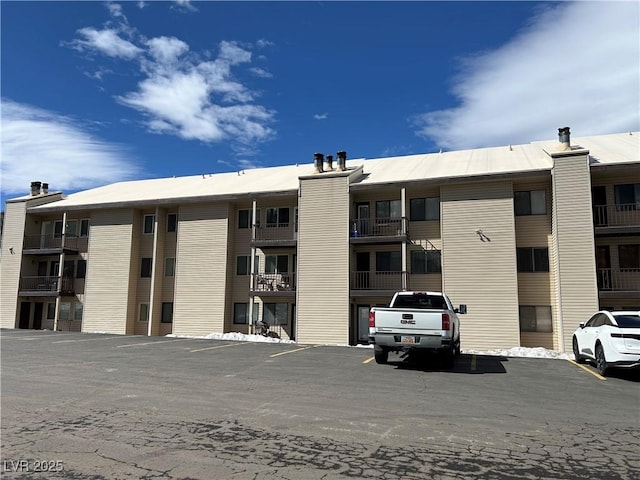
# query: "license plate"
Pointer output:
{"type": "Point", "coordinates": [404, 339]}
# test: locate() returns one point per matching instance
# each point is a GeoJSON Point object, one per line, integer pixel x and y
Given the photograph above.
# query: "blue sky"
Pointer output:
{"type": "Point", "coordinates": [95, 92]}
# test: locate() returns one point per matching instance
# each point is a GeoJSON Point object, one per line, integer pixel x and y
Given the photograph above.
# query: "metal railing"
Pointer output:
{"type": "Point", "coordinates": [624, 279]}
{"type": "Point", "coordinates": [392, 281]}
{"type": "Point", "coordinates": [47, 284]}
{"type": "Point", "coordinates": [47, 242]}
{"type": "Point", "coordinates": [274, 282]}
{"type": "Point", "coordinates": [379, 227]}
{"type": "Point", "coordinates": [620, 215]}
{"type": "Point", "coordinates": [274, 232]}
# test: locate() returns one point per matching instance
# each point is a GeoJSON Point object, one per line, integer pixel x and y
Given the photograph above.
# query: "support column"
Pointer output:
{"type": "Point", "coordinates": [60, 271]}
{"type": "Point", "coordinates": [403, 207]}
{"type": "Point", "coordinates": [252, 272]}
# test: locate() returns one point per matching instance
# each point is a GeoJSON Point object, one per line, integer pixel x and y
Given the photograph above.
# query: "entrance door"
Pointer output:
{"type": "Point", "coordinates": [46, 234]}
{"type": "Point", "coordinates": [362, 216]}
{"type": "Point", "coordinates": [37, 315]}
{"type": "Point", "coordinates": [599, 199]}
{"type": "Point", "coordinates": [363, 323]}
{"type": "Point", "coordinates": [25, 314]}
{"type": "Point", "coordinates": [363, 266]}
{"type": "Point", "coordinates": [603, 267]}
{"type": "Point", "coordinates": [293, 321]}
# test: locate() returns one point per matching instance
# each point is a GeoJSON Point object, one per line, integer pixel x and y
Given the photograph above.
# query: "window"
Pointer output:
{"type": "Point", "coordinates": [68, 269]}
{"type": "Point", "coordinates": [55, 269]}
{"type": "Point", "coordinates": [77, 312]}
{"type": "Point", "coordinates": [84, 227]}
{"type": "Point", "coordinates": [629, 256]}
{"type": "Point", "coordinates": [278, 217]}
{"type": "Point", "coordinates": [275, 313]}
{"type": "Point", "coordinates": [143, 312]}
{"type": "Point", "coordinates": [167, 312]}
{"type": "Point", "coordinates": [388, 262]}
{"type": "Point", "coordinates": [57, 229]}
{"type": "Point", "coordinates": [532, 202]}
{"type": "Point", "coordinates": [627, 196]}
{"type": "Point", "coordinates": [149, 224]}
{"type": "Point", "coordinates": [243, 264]}
{"type": "Point", "coordinates": [81, 269]}
{"type": "Point", "coordinates": [426, 261]}
{"type": "Point", "coordinates": [169, 267]}
{"type": "Point", "coordinates": [533, 259]}
{"type": "Point", "coordinates": [241, 313]}
{"type": "Point", "coordinates": [276, 264]}
{"type": "Point", "coordinates": [388, 209]}
{"type": "Point", "coordinates": [65, 311]}
{"type": "Point", "coordinates": [172, 222]}
{"type": "Point", "coordinates": [72, 228]}
{"type": "Point", "coordinates": [244, 218]}
{"type": "Point", "coordinates": [51, 311]}
{"type": "Point", "coordinates": [145, 270]}
{"type": "Point", "coordinates": [536, 319]}
{"type": "Point", "coordinates": [424, 209]}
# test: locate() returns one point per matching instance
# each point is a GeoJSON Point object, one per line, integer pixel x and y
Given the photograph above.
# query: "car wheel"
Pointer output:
{"type": "Point", "coordinates": [576, 351]}
{"type": "Point", "coordinates": [601, 361]}
{"type": "Point", "coordinates": [381, 354]}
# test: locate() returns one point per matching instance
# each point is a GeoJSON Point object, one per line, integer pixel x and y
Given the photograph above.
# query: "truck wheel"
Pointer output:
{"type": "Point", "coordinates": [381, 354]}
{"type": "Point", "coordinates": [456, 350]}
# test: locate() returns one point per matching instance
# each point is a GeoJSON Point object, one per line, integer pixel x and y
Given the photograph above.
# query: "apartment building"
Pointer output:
{"type": "Point", "coordinates": [533, 238]}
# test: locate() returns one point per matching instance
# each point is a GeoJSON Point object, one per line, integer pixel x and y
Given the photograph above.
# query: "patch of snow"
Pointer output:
{"type": "Point", "coordinates": [236, 337]}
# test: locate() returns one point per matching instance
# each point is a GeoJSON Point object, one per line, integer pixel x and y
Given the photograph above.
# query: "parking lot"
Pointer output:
{"type": "Point", "coordinates": [91, 406]}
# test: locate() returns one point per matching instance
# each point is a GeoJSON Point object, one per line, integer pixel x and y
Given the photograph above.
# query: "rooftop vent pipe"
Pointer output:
{"type": "Point", "coordinates": [342, 161]}
{"type": "Point", "coordinates": [329, 163]}
{"type": "Point", "coordinates": [35, 188]}
{"type": "Point", "coordinates": [318, 159]}
{"type": "Point", "coordinates": [45, 188]}
{"type": "Point", "coordinates": [564, 137]}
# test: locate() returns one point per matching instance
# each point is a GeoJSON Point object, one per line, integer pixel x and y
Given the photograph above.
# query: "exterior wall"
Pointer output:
{"type": "Point", "coordinates": [201, 269]}
{"type": "Point", "coordinates": [109, 270]}
{"type": "Point", "coordinates": [10, 264]}
{"type": "Point", "coordinates": [323, 260]}
{"type": "Point", "coordinates": [481, 274]}
{"type": "Point", "coordinates": [577, 292]}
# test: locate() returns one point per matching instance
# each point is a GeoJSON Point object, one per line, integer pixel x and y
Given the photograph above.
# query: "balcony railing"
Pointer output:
{"type": "Point", "coordinates": [277, 233]}
{"type": "Point", "coordinates": [621, 215]}
{"type": "Point", "coordinates": [274, 282]}
{"type": "Point", "coordinates": [50, 242]}
{"type": "Point", "coordinates": [379, 227]}
{"type": "Point", "coordinates": [46, 285]}
{"type": "Point", "coordinates": [391, 281]}
{"type": "Point", "coordinates": [622, 280]}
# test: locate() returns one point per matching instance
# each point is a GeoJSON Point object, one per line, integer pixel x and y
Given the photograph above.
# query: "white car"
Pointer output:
{"type": "Point", "coordinates": [610, 339]}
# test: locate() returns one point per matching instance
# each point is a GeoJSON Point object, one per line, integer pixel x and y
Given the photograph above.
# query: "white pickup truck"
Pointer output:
{"type": "Point", "coordinates": [423, 321]}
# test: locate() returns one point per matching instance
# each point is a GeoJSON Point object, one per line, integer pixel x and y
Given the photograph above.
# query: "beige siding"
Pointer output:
{"type": "Point", "coordinates": [200, 282]}
{"type": "Point", "coordinates": [481, 274]}
{"type": "Point", "coordinates": [577, 291]}
{"type": "Point", "coordinates": [10, 264]}
{"type": "Point", "coordinates": [109, 269]}
{"type": "Point", "coordinates": [323, 261]}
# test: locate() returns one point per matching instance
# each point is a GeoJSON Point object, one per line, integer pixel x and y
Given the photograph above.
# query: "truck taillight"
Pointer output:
{"type": "Point", "coordinates": [372, 319]}
{"type": "Point", "coordinates": [446, 321]}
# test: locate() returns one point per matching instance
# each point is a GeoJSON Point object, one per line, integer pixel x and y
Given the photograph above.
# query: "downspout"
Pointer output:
{"type": "Point", "coordinates": [252, 272]}
{"type": "Point", "coordinates": [403, 210]}
{"type": "Point", "coordinates": [60, 271]}
{"type": "Point", "coordinates": [154, 259]}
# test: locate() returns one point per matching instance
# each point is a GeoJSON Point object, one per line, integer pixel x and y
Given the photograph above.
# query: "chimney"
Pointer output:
{"type": "Point", "coordinates": [564, 138]}
{"type": "Point", "coordinates": [45, 188]}
{"type": "Point", "coordinates": [35, 188]}
{"type": "Point", "coordinates": [342, 161]}
{"type": "Point", "coordinates": [329, 163]}
{"type": "Point", "coordinates": [318, 159]}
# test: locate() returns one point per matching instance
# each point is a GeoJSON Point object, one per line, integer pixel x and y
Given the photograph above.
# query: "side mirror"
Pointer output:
{"type": "Point", "coordinates": [462, 309]}
{"type": "Point", "coordinates": [581, 324]}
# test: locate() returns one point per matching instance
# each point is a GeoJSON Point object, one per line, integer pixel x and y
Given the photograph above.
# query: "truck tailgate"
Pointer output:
{"type": "Point", "coordinates": [409, 320]}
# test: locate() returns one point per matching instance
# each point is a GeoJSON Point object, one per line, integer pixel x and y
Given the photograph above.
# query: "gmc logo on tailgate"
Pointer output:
{"type": "Point", "coordinates": [407, 318]}
{"type": "Point", "coordinates": [412, 322]}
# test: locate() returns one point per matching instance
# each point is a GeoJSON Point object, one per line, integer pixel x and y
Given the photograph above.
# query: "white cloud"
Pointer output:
{"type": "Point", "coordinates": [322, 116]}
{"type": "Point", "coordinates": [115, 10]}
{"type": "Point", "coordinates": [141, 5]}
{"type": "Point", "coordinates": [185, 5]}
{"type": "Point", "coordinates": [260, 72]}
{"type": "Point", "coordinates": [262, 43]}
{"type": "Point", "coordinates": [166, 50]}
{"type": "Point", "coordinates": [41, 145]}
{"type": "Point", "coordinates": [107, 42]}
{"type": "Point", "coordinates": [576, 64]}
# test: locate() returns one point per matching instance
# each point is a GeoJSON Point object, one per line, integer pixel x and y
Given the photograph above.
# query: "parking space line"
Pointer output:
{"type": "Point", "coordinates": [89, 339]}
{"type": "Point", "coordinates": [152, 343]}
{"type": "Point", "coordinates": [292, 351]}
{"type": "Point", "coordinates": [597, 375]}
{"type": "Point", "coordinates": [369, 360]}
{"type": "Point", "coordinates": [219, 346]}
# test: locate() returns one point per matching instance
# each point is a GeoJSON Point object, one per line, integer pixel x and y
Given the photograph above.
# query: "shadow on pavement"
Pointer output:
{"type": "Point", "coordinates": [466, 363]}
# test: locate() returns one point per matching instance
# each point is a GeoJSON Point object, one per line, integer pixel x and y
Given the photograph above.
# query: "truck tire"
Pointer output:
{"type": "Point", "coordinates": [381, 354]}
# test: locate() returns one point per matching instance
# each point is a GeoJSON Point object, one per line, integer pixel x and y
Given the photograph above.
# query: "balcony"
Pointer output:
{"type": "Point", "coordinates": [45, 286]}
{"type": "Point", "coordinates": [378, 283]}
{"type": "Point", "coordinates": [273, 284]}
{"type": "Point", "coordinates": [50, 245]}
{"type": "Point", "coordinates": [621, 218]}
{"type": "Point", "coordinates": [379, 230]}
{"type": "Point", "coordinates": [622, 280]}
{"type": "Point", "coordinates": [275, 235]}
